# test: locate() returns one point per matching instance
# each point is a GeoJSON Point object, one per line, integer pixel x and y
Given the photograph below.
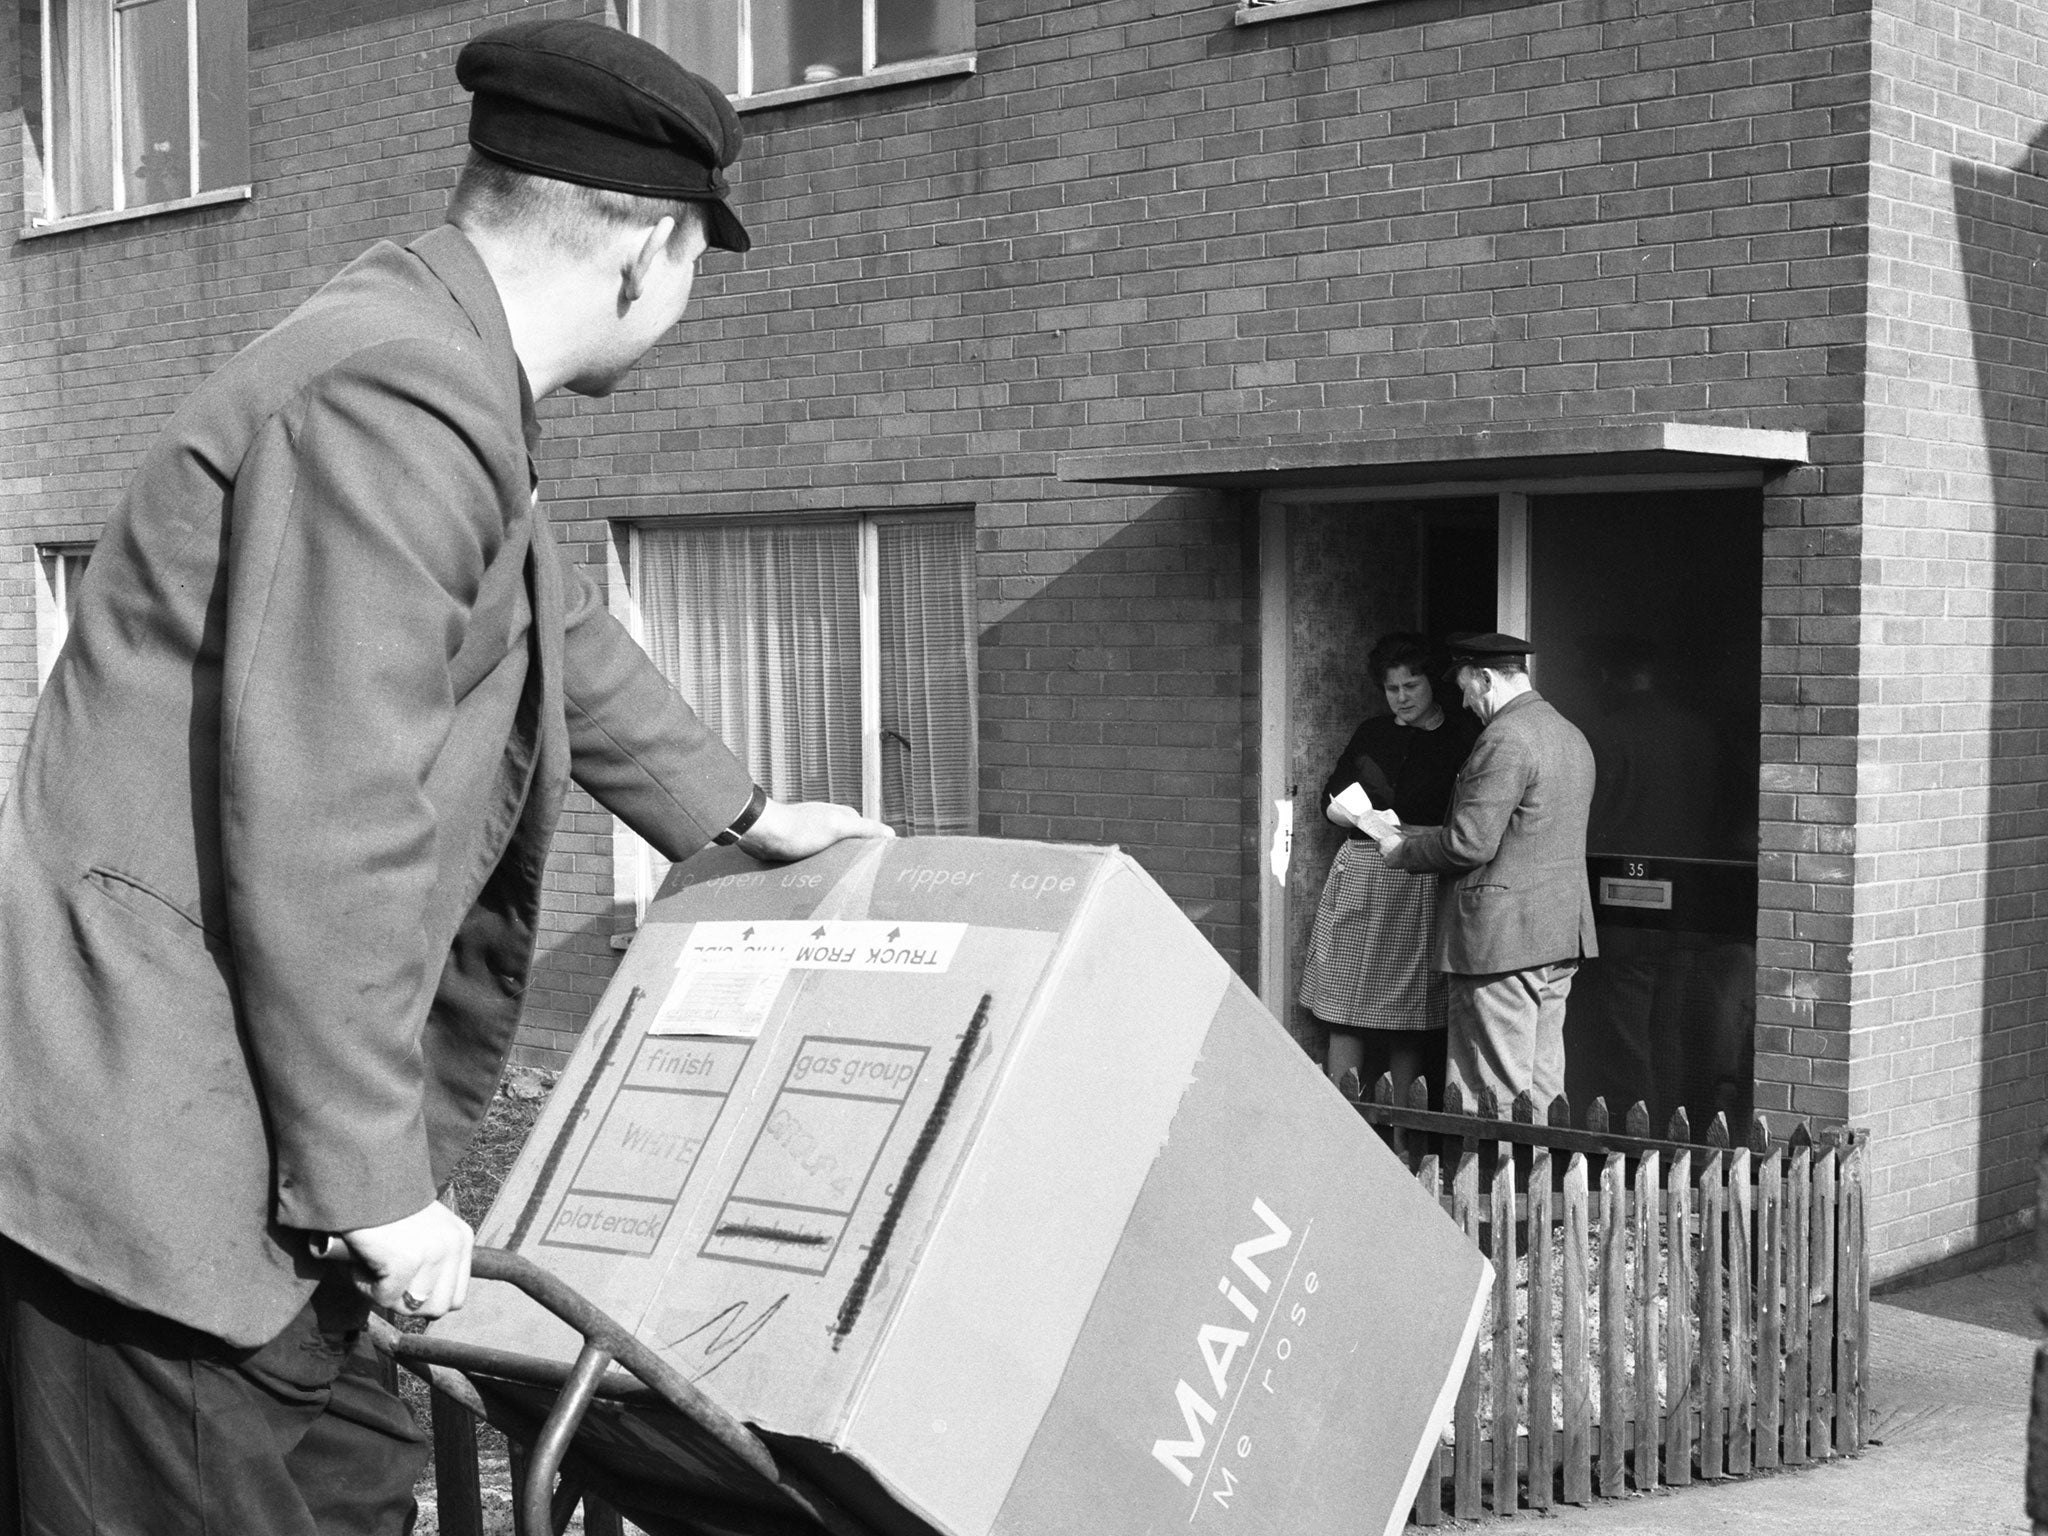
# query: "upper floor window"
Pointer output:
{"type": "Point", "coordinates": [58, 569]}
{"type": "Point", "coordinates": [834, 655]}
{"type": "Point", "coordinates": [756, 47]}
{"type": "Point", "coordinates": [144, 104]}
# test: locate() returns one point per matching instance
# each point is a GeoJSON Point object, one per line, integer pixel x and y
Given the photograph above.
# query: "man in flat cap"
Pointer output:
{"type": "Point", "coordinates": [271, 867]}
{"type": "Point", "coordinates": [1514, 916]}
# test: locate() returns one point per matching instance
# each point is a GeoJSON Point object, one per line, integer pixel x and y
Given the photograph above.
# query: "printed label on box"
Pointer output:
{"type": "Point", "coordinates": [729, 974]}
{"type": "Point", "coordinates": [824, 946]}
{"type": "Point", "coordinates": [732, 998]}
{"type": "Point", "coordinates": [635, 1167]}
{"type": "Point", "coordinates": [816, 1151]}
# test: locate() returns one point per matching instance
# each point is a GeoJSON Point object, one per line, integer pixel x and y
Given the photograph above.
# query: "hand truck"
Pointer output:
{"type": "Point", "coordinates": [700, 1471]}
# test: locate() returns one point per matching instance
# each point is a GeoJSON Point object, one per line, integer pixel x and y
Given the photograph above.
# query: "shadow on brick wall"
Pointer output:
{"type": "Point", "coordinates": [2002, 227]}
{"type": "Point", "coordinates": [1119, 691]}
{"type": "Point", "coordinates": [1118, 704]}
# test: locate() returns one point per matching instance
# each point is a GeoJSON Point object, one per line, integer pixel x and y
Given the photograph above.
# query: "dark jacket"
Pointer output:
{"type": "Point", "coordinates": [1409, 770]}
{"type": "Point", "coordinates": [270, 872]}
{"type": "Point", "coordinates": [1513, 847]}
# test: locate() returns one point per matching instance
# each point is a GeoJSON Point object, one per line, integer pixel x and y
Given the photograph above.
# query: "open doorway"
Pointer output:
{"type": "Point", "coordinates": [1355, 571]}
{"type": "Point", "coordinates": [1644, 607]}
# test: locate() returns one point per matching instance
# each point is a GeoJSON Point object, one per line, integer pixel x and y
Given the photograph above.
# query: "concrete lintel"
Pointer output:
{"type": "Point", "coordinates": [1646, 447]}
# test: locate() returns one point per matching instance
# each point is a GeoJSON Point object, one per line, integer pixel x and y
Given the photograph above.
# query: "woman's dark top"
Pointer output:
{"type": "Point", "coordinates": [1412, 770]}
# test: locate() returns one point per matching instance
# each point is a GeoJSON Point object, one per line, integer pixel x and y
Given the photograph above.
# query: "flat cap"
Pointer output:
{"type": "Point", "coordinates": [1469, 650]}
{"type": "Point", "coordinates": [586, 103]}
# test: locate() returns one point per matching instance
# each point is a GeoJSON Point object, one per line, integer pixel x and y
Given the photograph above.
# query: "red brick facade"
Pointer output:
{"type": "Point", "coordinates": [1140, 224]}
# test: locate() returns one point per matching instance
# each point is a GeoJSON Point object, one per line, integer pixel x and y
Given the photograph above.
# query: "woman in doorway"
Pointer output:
{"type": "Point", "coordinates": [1371, 977]}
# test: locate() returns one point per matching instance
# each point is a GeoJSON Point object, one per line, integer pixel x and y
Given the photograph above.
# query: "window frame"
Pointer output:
{"type": "Point", "coordinates": [935, 67]}
{"type": "Point", "coordinates": [633, 882]}
{"type": "Point", "coordinates": [43, 214]}
{"type": "Point", "coordinates": [1252, 13]}
{"type": "Point", "coordinates": [56, 582]}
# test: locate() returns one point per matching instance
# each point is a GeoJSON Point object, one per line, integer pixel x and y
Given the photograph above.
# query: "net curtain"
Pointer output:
{"type": "Point", "coordinates": [759, 626]}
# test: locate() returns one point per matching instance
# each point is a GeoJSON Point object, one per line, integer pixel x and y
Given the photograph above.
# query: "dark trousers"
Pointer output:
{"type": "Point", "coordinates": [126, 1424]}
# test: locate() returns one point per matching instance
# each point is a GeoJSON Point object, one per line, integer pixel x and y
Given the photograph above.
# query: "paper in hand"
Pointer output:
{"type": "Point", "coordinates": [1372, 822]}
{"type": "Point", "coordinates": [1355, 801]}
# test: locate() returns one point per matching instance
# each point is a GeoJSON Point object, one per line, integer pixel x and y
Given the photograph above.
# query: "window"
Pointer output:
{"type": "Point", "coordinates": [58, 568]}
{"type": "Point", "coordinates": [835, 656]}
{"type": "Point", "coordinates": [754, 47]}
{"type": "Point", "coordinates": [144, 104]}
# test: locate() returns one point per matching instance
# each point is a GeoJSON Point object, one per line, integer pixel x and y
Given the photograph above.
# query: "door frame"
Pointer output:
{"type": "Point", "coordinates": [1275, 805]}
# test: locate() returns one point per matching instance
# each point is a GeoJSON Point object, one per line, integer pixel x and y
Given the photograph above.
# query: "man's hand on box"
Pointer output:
{"type": "Point", "coordinates": [418, 1265]}
{"type": "Point", "coordinates": [798, 829]}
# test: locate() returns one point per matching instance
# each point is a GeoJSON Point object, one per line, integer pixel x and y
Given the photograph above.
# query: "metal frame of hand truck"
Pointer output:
{"type": "Point", "coordinates": [448, 1363]}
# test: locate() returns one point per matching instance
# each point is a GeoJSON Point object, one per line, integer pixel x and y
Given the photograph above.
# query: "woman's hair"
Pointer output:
{"type": "Point", "coordinates": [563, 216]}
{"type": "Point", "coordinates": [1400, 649]}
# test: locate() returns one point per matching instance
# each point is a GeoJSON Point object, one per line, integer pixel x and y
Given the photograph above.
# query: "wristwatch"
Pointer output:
{"type": "Point", "coordinates": [742, 823]}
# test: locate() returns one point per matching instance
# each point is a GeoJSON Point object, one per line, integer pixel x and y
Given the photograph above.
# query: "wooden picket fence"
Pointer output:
{"type": "Point", "coordinates": [1662, 1310]}
{"type": "Point", "coordinates": [1686, 1310]}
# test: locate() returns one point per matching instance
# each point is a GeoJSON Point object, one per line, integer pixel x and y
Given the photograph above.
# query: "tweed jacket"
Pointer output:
{"type": "Point", "coordinates": [271, 866]}
{"type": "Point", "coordinates": [1512, 849]}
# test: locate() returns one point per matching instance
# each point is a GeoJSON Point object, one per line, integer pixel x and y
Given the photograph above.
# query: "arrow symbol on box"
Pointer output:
{"type": "Point", "coordinates": [894, 934]}
{"type": "Point", "coordinates": [749, 933]}
{"type": "Point", "coordinates": [818, 932]}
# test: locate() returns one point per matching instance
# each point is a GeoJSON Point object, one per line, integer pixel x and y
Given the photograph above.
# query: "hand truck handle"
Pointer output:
{"type": "Point", "coordinates": [604, 1341]}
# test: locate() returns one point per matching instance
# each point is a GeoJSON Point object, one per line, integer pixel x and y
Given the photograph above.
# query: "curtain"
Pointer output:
{"type": "Point", "coordinates": [703, 34]}
{"type": "Point", "coordinates": [926, 581]}
{"type": "Point", "coordinates": [79, 133]}
{"type": "Point", "coordinates": [758, 625]}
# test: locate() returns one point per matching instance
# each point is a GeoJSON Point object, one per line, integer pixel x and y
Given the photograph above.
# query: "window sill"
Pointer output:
{"type": "Point", "coordinates": [895, 74]}
{"type": "Point", "coordinates": [36, 229]}
{"type": "Point", "coordinates": [1281, 10]}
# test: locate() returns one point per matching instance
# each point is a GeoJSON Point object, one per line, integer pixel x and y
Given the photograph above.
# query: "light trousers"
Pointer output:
{"type": "Point", "coordinates": [1507, 1034]}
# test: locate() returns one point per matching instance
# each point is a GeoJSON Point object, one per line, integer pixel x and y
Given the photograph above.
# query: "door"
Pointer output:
{"type": "Point", "coordinates": [1646, 613]}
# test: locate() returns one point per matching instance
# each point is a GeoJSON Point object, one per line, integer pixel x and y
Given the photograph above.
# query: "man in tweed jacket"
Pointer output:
{"type": "Point", "coordinates": [1514, 915]}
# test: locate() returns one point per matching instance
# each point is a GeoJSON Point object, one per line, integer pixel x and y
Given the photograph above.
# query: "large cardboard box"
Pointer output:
{"type": "Point", "coordinates": [968, 1173]}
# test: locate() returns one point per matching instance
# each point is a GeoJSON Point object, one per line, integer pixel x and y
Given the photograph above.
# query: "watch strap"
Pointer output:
{"type": "Point", "coordinates": [756, 804]}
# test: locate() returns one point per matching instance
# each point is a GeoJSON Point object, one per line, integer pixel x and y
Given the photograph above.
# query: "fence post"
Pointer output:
{"type": "Point", "coordinates": [1713, 1259]}
{"type": "Point", "coordinates": [1465, 1452]}
{"type": "Point", "coordinates": [1578, 1356]}
{"type": "Point", "coordinates": [1850, 1277]}
{"type": "Point", "coordinates": [1542, 1310]}
{"type": "Point", "coordinates": [1649, 1200]}
{"type": "Point", "coordinates": [1506, 1436]}
{"type": "Point", "coordinates": [1798, 1293]}
{"type": "Point", "coordinates": [1678, 1350]}
{"type": "Point", "coordinates": [1429, 1498]}
{"type": "Point", "coordinates": [1742, 1373]}
{"type": "Point", "coordinates": [1820, 1357]}
{"type": "Point", "coordinates": [1770, 1283]}
{"type": "Point", "coordinates": [1613, 1312]}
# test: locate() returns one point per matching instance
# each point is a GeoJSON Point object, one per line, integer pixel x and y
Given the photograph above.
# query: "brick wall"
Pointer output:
{"type": "Point", "coordinates": [1135, 224]}
{"type": "Point", "coordinates": [1138, 224]}
{"type": "Point", "coordinates": [1950, 1021]}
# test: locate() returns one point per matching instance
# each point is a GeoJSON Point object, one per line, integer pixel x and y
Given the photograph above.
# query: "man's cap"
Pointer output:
{"type": "Point", "coordinates": [1472, 650]}
{"type": "Point", "coordinates": [590, 104]}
